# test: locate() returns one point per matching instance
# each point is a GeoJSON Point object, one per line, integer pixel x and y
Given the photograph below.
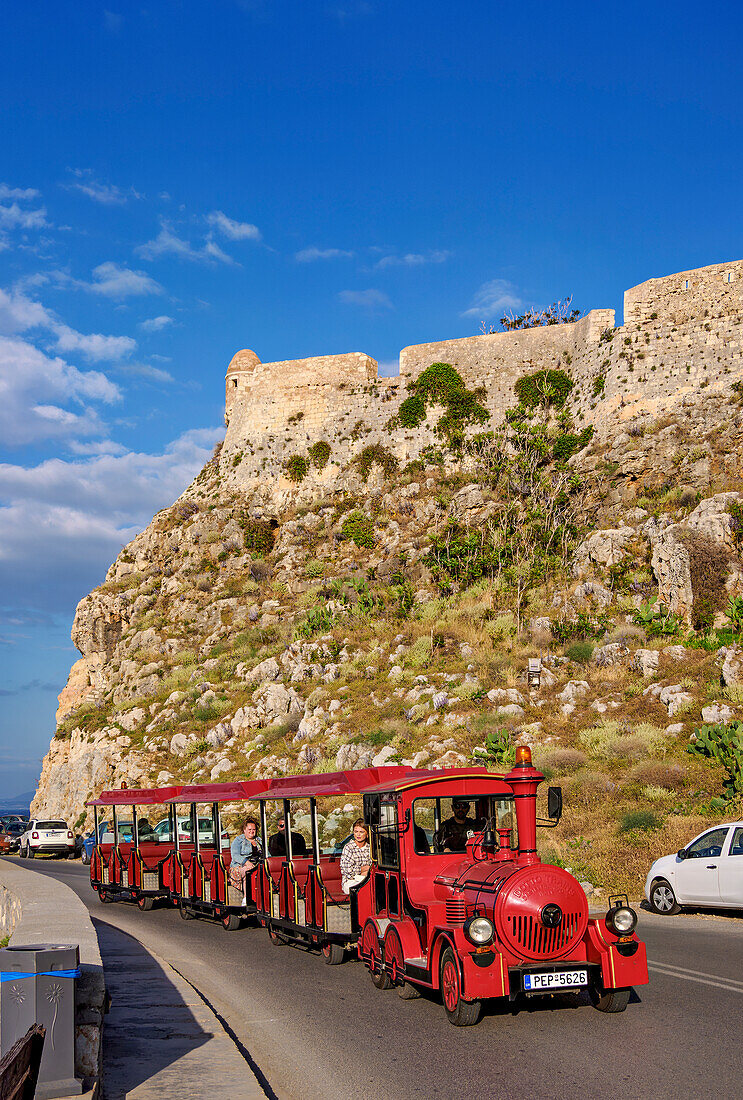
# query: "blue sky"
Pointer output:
{"type": "Point", "coordinates": [179, 180]}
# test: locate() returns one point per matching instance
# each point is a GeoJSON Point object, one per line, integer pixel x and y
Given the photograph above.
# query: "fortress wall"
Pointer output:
{"type": "Point", "coordinates": [649, 366]}
{"type": "Point", "coordinates": [686, 296]}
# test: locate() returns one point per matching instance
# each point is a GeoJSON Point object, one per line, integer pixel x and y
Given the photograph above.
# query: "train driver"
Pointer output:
{"type": "Point", "coordinates": [453, 834]}
{"type": "Point", "coordinates": [245, 853]}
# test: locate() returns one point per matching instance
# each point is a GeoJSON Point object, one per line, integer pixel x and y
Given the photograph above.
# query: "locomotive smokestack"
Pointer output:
{"type": "Point", "coordinates": [525, 779]}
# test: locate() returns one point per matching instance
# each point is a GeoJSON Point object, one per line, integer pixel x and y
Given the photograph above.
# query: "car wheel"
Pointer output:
{"type": "Point", "coordinates": [84, 857]}
{"type": "Point", "coordinates": [662, 898]}
{"type": "Point", "coordinates": [22, 852]}
{"type": "Point", "coordinates": [460, 1013]}
{"type": "Point", "coordinates": [144, 904]}
{"type": "Point", "coordinates": [408, 992]}
{"type": "Point", "coordinates": [612, 1000]}
{"type": "Point", "coordinates": [231, 922]}
{"type": "Point", "coordinates": [30, 852]}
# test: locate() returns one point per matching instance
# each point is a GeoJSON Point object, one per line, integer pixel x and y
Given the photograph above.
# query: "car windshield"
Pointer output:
{"type": "Point", "coordinates": [16, 828]}
{"type": "Point", "coordinates": [51, 824]}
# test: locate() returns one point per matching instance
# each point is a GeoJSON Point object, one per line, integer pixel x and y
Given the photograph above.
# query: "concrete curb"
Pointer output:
{"type": "Point", "coordinates": [36, 908]}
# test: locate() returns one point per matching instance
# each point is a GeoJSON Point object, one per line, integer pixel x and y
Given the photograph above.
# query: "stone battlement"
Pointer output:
{"type": "Point", "coordinates": [681, 334]}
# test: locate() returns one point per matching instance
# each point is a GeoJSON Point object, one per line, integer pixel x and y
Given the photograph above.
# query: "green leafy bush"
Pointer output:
{"type": "Point", "coordinates": [580, 652]}
{"type": "Point", "coordinates": [258, 534]}
{"type": "Point", "coordinates": [644, 821]}
{"type": "Point", "coordinates": [441, 384]}
{"type": "Point", "coordinates": [549, 388]}
{"type": "Point", "coordinates": [360, 529]}
{"type": "Point", "coordinates": [296, 468]}
{"type": "Point", "coordinates": [319, 454]}
{"type": "Point", "coordinates": [723, 743]}
{"type": "Point", "coordinates": [379, 455]}
{"type": "Point", "coordinates": [656, 621]}
{"type": "Point", "coordinates": [569, 443]}
{"type": "Point", "coordinates": [499, 751]}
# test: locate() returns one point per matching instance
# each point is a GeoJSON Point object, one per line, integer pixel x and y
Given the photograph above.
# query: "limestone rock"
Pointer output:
{"type": "Point", "coordinates": [350, 757]}
{"type": "Point", "coordinates": [732, 668]}
{"type": "Point", "coordinates": [220, 768]}
{"type": "Point", "coordinates": [130, 719]}
{"type": "Point", "coordinates": [645, 661]}
{"type": "Point", "coordinates": [613, 653]}
{"type": "Point", "coordinates": [674, 698]}
{"type": "Point", "coordinates": [573, 691]}
{"type": "Point", "coordinates": [384, 756]}
{"type": "Point", "coordinates": [602, 548]}
{"type": "Point", "coordinates": [510, 710]}
{"type": "Point", "coordinates": [178, 744]}
{"type": "Point", "coordinates": [717, 712]}
{"type": "Point", "coordinates": [504, 696]}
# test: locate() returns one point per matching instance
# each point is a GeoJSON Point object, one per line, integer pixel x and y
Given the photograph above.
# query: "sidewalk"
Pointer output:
{"type": "Point", "coordinates": [159, 1038]}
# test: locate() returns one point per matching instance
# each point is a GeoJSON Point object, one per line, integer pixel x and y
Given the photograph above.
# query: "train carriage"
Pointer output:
{"type": "Point", "coordinates": [128, 860]}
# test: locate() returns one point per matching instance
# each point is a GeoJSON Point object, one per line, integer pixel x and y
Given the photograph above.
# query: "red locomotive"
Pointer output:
{"type": "Point", "coordinates": [456, 898]}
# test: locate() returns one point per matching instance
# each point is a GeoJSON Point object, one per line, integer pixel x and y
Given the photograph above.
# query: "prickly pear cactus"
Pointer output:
{"type": "Point", "coordinates": [724, 743]}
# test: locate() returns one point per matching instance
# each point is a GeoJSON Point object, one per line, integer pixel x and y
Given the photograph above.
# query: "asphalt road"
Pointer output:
{"type": "Point", "coordinates": [325, 1033]}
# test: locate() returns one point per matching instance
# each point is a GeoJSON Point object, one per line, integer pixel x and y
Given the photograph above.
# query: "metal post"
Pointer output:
{"type": "Point", "coordinates": [287, 829]}
{"type": "Point", "coordinates": [315, 830]}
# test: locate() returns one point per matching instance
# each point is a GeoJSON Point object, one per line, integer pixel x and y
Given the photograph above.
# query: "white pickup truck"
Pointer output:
{"type": "Point", "coordinates": [51, 838]}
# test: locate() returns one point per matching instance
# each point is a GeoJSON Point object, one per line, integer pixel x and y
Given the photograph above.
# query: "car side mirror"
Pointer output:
{"type": "Point", "coordinates": [554, 803]}
{"type": "Point", "coordinates": [682, 854]}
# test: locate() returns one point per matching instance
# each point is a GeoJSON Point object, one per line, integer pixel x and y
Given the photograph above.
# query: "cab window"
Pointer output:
{"type": "Point", "coordinates": [708, 846]}
{"type": "Point", "coordinates": [446, 824]}
{"type": "Point", "coordinates": [388, 836]}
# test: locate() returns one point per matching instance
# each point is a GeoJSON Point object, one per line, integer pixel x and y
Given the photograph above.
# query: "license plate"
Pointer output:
{"type": "Point", "coordinates": [560, 979]}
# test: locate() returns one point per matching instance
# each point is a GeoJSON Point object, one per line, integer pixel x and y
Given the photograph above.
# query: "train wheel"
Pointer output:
{"type": "Point", "coordinates": [408, 992]}
{"type": "Point", "coordinates": [145, 904]}
{"type": "Point", "coordinates": [371, 949]}
{"type": "Point", "coordinates": [276, 938]}
{"type": "Point", "coordinates": [393, 956]}
{"type": "Point", "coordinates": [612, 1000]}
{"type": "Point", "coordinates": [333, 953]}
{"type": "Point", "coordinates": [230, 922]}
{"type": "Point", "coordinates": [103, 896]}
{"type": "Point", "coordinates": [460, 1013]}
{"type": "Point", "coordinates": [186, 913]}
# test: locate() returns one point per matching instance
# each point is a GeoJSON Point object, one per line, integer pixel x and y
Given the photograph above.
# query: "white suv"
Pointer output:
{"type": "Point", "coordinates": [52, 838]}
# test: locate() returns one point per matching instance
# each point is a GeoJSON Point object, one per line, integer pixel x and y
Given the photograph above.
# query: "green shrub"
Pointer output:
{"type": "Point", "coordinates": [569, 443]}
{"type": "Point", "coordinates": [319, 454]}
{"type": "Point", "coordinates": [644, 821]}
{"type": "Point", "coordinates": [544, 387]}
{"type": "Point", "coordinates": [499, 751]}
{"type": "Point", "coordinates": [379, 454]}
{"type": "Point", "coordinates": [296, 468]}
{"type": "Point", "coordinates": [441, 384]}
{"type": "Point", "coordinates": [360, 529]}
{"type": "Point", "coordinates": [258, 535]}
{"type": "Point", "coordinates": [580, 652]}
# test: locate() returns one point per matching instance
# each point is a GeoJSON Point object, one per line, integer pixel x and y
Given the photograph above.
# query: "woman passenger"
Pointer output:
{"type": "Point", "coordinates": [245, 853]}
{"type": "Point", "coordinates": [355, 857]}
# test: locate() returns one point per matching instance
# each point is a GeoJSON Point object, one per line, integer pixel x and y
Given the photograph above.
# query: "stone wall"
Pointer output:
{"type": "Point", "coordinates": [682, 336]}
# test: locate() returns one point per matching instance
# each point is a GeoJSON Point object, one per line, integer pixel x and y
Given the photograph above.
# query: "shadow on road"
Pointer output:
{"type": "Point", "coordinates": [150, 1026]}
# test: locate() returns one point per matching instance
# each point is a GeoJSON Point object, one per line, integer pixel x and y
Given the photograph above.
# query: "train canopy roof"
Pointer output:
{"type": "Point", "coordinates": [238, 791]}
{"type": "Point", "coordinates": [329, 783]}
{"type": "Point", "coordinates": [134, 797]}
{"type": "Point", "coordinates": [421, 777]}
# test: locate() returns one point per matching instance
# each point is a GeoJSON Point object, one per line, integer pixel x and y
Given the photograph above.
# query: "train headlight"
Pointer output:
{"type": "Point", "coordinates": [622, 920]}
{"type": "Point", "coordinates": [480, 931]}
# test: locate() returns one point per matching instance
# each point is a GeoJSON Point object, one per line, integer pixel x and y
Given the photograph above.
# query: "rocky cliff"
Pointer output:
{"type": "Point", "coordinates": [387, 612]}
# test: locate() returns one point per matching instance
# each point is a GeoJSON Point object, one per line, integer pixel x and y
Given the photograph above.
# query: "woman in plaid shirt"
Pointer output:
{"type": "Point", "coordinates": [355, 857]}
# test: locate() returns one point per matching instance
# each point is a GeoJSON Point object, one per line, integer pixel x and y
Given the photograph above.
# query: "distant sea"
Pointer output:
{"type": "Point", "coordinates": [18, 804]}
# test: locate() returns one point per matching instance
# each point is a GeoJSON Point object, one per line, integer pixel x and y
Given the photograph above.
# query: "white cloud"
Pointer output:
{"type": "Point", "coordinates": [19, 313]}
{"type": "Point", "coordinates": [114, 281]}
{"type": "Point", "coordinates": [307, 255]}
{"type": "Point", "coordinates": [235, 231]}
{"type": "Point", "coordinates": [146, 370]}
{"type": "Point", "coordinates": [62, 522]}
{"type": "Point", "coordinates": [23, 193]}
{"type": "Point", "coordinates": [14, 217]}
{"type": "Point", "coordinates": [35, 390]}
{"type": "Point", "coordinates": [94, 346]}
{"type": "Point", "coordinates": [414, 259]}
{"type": "Point", "coordinates": [156, 324]}
{"type": "Point", "coordinates": [168, 243]}
{"type": "Point", "coordinates": [493, 297]}
{"type": "Point", "coordinates": [370, 299]}
{"type": "Point", "coordinates": [105, 193]}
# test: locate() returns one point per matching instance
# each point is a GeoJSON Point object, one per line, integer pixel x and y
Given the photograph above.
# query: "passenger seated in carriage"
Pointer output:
{"type": "Point", "coordinates": [245, 853]}
{"type": "Point", "coordinates": [355, 857]}
{"type": "Point", "coordinates": [454, 832]}
{"type": "Point", "coordinates": [277, 842]}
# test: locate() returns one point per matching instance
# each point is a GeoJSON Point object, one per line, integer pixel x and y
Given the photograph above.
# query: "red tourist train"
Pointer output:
{"type": "Point", "coordinates": [451, 903]}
